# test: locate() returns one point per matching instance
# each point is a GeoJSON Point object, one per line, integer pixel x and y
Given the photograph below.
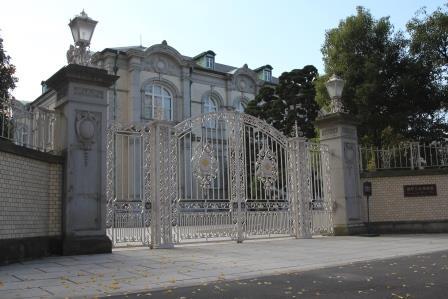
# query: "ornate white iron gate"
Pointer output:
{"type": "Point", "coordinates": [321, 207]}
{"type": "Point", "coordinates": [128, 199]}
{"type": "Point", "coordinates": [232, 179]}
{"type": "Point", "coordinates": [217, 176]}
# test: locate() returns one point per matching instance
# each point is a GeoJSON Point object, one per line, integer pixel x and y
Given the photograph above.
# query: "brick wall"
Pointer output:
{"type": "Point", "coordinates": [30, 196]}
{"type": "Point", "coordinates": [388, 203]}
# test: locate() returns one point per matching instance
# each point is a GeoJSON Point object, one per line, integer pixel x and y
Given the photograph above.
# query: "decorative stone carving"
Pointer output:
{"type": "Point", "coordinates": [159, 63]}
{"type": "Point", "coordinates": [245, 84]}
{"type": "Point", "coordinates": [85, 126]}
{"type": "Point", "coordinates": [329, 131]}
{"type": "Point", "coordinates": [88, 92]}
{"type": "Point", "coordinates": [79, 55]}
{"type": "Point", "coordinates": [349, 152]}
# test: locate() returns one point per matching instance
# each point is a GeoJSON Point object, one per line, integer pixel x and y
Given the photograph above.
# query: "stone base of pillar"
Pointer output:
{"type": "Point", "coordinates": [86, 245]}
{"type": "Point", "coordinates": [162, 246]}
{"type": "Point", "coordinates": [350, 229]}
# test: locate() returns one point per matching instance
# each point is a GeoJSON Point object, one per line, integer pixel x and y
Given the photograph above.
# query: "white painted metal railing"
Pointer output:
{"type": "Point", "coordinates": [32, 129]}
{"type": "Point", "coordinates": [409, 155]}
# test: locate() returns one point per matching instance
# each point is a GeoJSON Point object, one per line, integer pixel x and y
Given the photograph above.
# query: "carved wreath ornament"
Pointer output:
{"type": "Point", "coordinates": [266, 168]}
{"type": "Point", "coordinates": [85, 126]}
{"type": "Point", "coordinates": [205, 165]}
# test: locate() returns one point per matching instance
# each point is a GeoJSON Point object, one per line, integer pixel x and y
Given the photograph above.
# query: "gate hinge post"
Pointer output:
{"type": "Point", "coordinates": [299, 187]}
{"type": "Point", "coordinates": [164, 184]}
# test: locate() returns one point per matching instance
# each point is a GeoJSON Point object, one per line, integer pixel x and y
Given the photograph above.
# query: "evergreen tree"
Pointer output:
{"type": "Point", "coordinates": [291, 101]}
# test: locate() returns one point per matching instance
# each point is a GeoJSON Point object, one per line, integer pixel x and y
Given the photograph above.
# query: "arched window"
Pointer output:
{"type": "Point", "coordinates": [210, 105]}
{"type": "Point", "coordinates": [157, 103]}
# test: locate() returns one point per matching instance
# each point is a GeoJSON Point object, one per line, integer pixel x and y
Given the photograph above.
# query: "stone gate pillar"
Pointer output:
{"type": "Point", "coordinates": [81, 135]}
{"type": "Point", "coordinates": [338, 132]}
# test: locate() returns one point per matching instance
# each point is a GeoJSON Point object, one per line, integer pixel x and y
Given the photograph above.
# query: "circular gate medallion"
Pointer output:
{"type": "Point", "coordinates": [266, 168]}
{"type": "Point", "coordinates": [205, 165]}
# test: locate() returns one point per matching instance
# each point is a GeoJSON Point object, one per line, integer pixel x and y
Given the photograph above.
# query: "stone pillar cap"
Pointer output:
{"type": "Point", "coordinates": [336, 118]}
{"type": "Point", "coordinates": [81, 74]}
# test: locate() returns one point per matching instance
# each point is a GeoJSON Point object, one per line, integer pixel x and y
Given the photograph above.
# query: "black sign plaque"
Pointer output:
{"type": "Point", "coordinates": [367, 188]}
{"type": "Point", "coordinates": [420, 190]}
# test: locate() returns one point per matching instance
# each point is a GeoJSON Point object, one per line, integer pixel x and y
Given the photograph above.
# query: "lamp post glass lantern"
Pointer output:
{"type": "Point", "coordinates": [82, 28]}
{"type": "Point", "coordinates": [335, 86]}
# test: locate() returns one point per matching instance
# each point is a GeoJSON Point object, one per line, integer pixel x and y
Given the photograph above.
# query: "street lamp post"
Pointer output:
{"type": "Point", "coordinates": [335, 86]}
{"type": "Point", "coordinates": [82, 28]}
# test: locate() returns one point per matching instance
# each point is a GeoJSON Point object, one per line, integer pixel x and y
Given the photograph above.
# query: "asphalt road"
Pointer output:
{"type": "Point", "coordinates": [419, 276]}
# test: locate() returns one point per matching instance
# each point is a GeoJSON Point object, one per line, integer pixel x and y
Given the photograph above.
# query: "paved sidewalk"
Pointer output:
{"type": "Point", "coordinates": [134, 270]}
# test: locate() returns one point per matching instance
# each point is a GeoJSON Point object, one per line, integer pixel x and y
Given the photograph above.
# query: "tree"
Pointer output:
{"type": "Point", "coordinates": [429, 41]}
{"type": "Point", "coordinates": [7, 84]}
{"type": "Point", "coordinates": [291, 101]}
{"type": "Point", "coordinates": [387, 89]}
{"type": "Point", "coordinates": [429, 36]}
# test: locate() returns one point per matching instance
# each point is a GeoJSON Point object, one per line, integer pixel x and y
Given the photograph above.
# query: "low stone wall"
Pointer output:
{"type": "Point", "coordinates": [393, 212]}
{"type": "Point", "coordinates": [30, 201]}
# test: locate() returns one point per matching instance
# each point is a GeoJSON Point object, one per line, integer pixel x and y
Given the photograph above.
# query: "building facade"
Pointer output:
{"type": "Point", "coordinates": [160, 83]}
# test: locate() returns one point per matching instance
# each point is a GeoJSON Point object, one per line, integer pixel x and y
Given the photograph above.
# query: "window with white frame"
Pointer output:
{"type": "Point", "coordinates": [157, 103]}
{"type": "Point", "coordinates": [267, 75]}
{"type": "Point", "coordinates": [210, 105]}
{"type": "Point", "coordinates": [209, 62]}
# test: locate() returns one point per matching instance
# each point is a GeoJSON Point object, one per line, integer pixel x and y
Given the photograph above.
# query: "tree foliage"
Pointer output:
{"type": "Point", "coordinates": [394, 94]}
{"type": "Point", "coordinates": [7, 84]}
{"type": "Point", "coordinates": [7, 71]}
{"type": "Point", "coordinates": [429, 37]}
{"type": "Point", "coordinates": [291, 101]}
{"type": "Point", "coordinates": [429, 42]}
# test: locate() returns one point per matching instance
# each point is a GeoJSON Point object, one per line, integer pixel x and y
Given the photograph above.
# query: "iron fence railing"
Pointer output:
{"type": "Point", "coordinates": [409, 155]}
{"type": "Point", "coordinates": [32, 129]}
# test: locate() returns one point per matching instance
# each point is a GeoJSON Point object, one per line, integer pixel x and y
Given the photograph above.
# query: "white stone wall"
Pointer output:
{"type": "Point", "coordinates": [30, 197]}
{"type": "Point", "coordinates": [389, 204]}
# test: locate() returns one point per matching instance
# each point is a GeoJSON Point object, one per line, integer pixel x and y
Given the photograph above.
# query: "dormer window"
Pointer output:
{"type": "Point", "coordinates": [264, 73]}
{"type": "Point", "coordinates": [206, 59]}
{"type": "Point", "coordinates": [267, 75]}
{"type": "Point", "coordinates": [209, 62]}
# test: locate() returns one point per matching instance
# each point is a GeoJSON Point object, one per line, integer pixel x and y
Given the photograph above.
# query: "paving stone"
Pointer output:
{"type": "Point", "coordinates": [127, 270]}
{"type": "Point", "coordinates": [24, 293]}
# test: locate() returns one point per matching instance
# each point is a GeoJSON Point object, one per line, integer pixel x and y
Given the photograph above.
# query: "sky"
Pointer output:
{"type": "Point", "coordinates": [286, 34]}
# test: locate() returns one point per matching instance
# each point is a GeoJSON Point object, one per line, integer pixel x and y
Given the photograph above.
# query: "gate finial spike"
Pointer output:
{"type": "Point", "coordinates": [297, 132]}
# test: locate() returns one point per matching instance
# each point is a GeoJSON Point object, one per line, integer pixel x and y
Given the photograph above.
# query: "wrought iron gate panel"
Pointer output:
{"type": "Point", "coordinates": [321, 204]}
{"type": "Point", "coordinates": [232, 179]}
{"type": "Point", "coordinates": [267, 205]}
{"type": "Point", "coordinates": [128, 215]}
{"type": "Point", "coordinates": [203, 205]}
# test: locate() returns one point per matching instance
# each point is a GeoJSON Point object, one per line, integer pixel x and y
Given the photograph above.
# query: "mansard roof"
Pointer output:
{"type": "Point", "coordinates": [209, 52]}
{"type": "Point", "coordinates": [267, 66]}
{"type": "Point", "coordinates": [219, 67]}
